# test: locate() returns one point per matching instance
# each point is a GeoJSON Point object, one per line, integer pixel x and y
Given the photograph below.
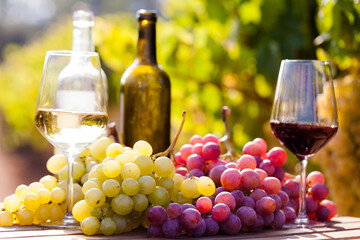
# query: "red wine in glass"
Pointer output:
{"type": "Point", "coordinates": [302, 139]}
{"type": "Point", "coordinates": [304, 117]}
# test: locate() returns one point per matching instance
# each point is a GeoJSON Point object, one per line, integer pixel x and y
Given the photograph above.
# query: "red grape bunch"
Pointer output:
{"type": "Point", "coordinates": [252, 193]}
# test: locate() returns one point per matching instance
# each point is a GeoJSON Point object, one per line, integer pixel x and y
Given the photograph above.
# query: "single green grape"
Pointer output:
{"type": "Point", "coordinates": [145, 164]}
{"type": "Point", "coordinates": [57, 212]}
{"type": "Point", "coordinates": [178, 179]}
{"type": "Point", "coordinates": [130, 186]}
{"type": "Point", "coordinates": [166, 182]}
{"type": "Point", "coordinates": [42, 214]}
{"type": "Point", "coordinates": [95, 197]}
{"type": "Point", "coordinates": [114, 149]}
{"type": "Point", "coordinates": [108, 226]}
{"type": "Point", "coordinates": [111, 187]}
{"type": "Point", "coordinates": [122, 204]}
{"type": "Point", "coordinates": [55, 163]}
{"type": "Point", "coordinates": [132, 155]}
{"type": "Point", "coordinates": [98, 148]}
{"type": "Point", "coordinates": [130, 170]}
{"type": "Point", "coordinates": [24, 216]}
{"type": "Point", "coordinates": [81, 210]}
{"type": "Point", "coordinates": [21, 191]}
{"type": "Point", "coordinates": [159, 197]}
{"type": "Point", "coordinates": [164, 167]}
{"type": "Point", "coordinates": [120, 222]}
{"type": "Point", "coordinates": [123, 159]}
{"type": "Point", "coordinates": [140, 201]}
{"type": "Point", "coordinates": [49, 182]}
{"type": "Point", "coordinates": [32, 201]}
{"type": "Point", "coordinates": [6, 219]}
{"type": "Point", "coordinates": [112, 168]}
{"type": "Point", "coordinates": [57, 195]}
{"type": "Point", "coordinates": [91, 183]}
{"type": "Point", "coordinates": [90, 225]}
{"type": "Point", "coordinates": [79, 170]}
{"type": "Point", "coordinates": [35, 187]}
{"type": "Point", "coordinates": [44, 195]}
{"type": "Point", "coordinates": [12, 203]}
{"type": "Point", "coordinates": [142, 147]}
{"type": "Point", "coordinates": [188, 187]}
{"type": "Point", "coordinates": [147, 184]}
{"type": "Point", "coordinates": [77, 193]}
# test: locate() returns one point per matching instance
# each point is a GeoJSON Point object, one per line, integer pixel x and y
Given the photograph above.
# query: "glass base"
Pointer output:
{"type": "Point", "coordinates": [306, 223]}
{"type": "Point", "coordinates": [68, 222]}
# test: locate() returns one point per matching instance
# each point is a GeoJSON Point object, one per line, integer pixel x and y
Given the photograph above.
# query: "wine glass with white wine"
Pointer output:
{"type": "Point", "coordinates": [71, 110]}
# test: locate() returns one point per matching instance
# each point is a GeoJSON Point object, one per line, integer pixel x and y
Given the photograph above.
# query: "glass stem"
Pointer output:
{"type": "Point", "coordinates": [302, 217]}
{"type": "Point", "coordinates": [70, 185]}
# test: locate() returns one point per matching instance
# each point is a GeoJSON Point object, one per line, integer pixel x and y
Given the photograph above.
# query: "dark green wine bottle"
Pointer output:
{"type": "Point", "coordinates": [145, 92]}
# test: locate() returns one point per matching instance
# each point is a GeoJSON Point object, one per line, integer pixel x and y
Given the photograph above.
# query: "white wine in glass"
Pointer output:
{"type": "Point", "coordinates": [71, 110]}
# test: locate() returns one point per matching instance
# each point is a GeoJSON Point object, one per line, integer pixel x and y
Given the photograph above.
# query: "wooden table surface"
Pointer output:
{"type": "Point", "coordinates": [339, 228]}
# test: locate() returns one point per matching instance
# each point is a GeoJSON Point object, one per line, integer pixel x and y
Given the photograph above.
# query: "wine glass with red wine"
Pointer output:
{"type": "Point", "coordinates": [304, 116]}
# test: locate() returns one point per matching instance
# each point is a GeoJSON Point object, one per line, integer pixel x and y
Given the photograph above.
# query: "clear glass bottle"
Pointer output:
{"type": "Point", "coordinates": [82, 39]}
{"type": "Point", "coordinates": [145, 92]}
{"type": "Point", "coordinates": [83, 22]}
{"type": "Point", "coordinates": [78, 66]}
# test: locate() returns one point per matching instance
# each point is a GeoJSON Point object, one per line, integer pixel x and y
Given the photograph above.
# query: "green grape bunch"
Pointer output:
{"type": "Point", "coordinates": [114, 187]}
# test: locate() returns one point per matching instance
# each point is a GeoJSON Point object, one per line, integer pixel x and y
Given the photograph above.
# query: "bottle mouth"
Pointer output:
{"type": "Point", "coordinates": [145, 14]}
{"type": "Point", "coordinates": [83, 19]}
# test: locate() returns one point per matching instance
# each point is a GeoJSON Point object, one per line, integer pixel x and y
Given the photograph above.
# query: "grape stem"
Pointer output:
{"type": "Point", "coordinates": [170, 149]}
{"type": "Point", "coordinates": [226, 139]}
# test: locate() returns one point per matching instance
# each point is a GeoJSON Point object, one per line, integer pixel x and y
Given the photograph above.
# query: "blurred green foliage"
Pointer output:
{"type": "Point", "coordinates": [339, 41]}
{"type": "Point", "coordinates": [215, 52]}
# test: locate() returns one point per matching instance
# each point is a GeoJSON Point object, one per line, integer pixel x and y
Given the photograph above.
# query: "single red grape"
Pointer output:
{"type": "Point", "coordinates": [292, 188]}
{"type": "Point", "coordinates": [227, 198]}
{"type": "Point", "coordinates": [271, 185]}
{"type": "Point", "coordinates": [262, 174]}
{"type": "Point", "coordinates": [249, 179]}
{"type": "Point", "coordinates": [267, 166]}
{"type": "Point", "coordinates": [277, 156]}
{"type": "Point", "coordinates": [230, 179]}
{"type": "Point", "coordinates": [211, 150]}
{"type": "Point", "coordinates": [195, 161]}
{"type": "Point", "coordinates": [196, 139]}
{"type": "Point", "coordinates": [231, 165]}
{"type": "Point", "coordinates": [319, 192]}
{"type": "Point", "coordinates": [315, 177]}
{"type": "Point", "coordinates": [247, 215]}
{"type": "Point", "coordinates": [331, 206]}
{"type": "Point", "coordinates": [252, 148]}
{"type": "Point", "coordinates": [246, 161]}
{"type": "Point", "coordinates": [210, 138]}
{"type": "Point", "coordinates": [197, 148]}
{"type": "Point", "coordinates": [220, 212]}
{"type": "Point", "coordinates": [262, 143]}
{"type": "Point", "coordinates": [157, 215]}
{"type": "Point", "coordinates": [185, 151]}
{"type": "Point", "coordinates": [215, 174]}
{"type": "Point", "coordinates": [265, 206]}
{"type": "Point", "coordinates": [232, 225]}
{"type": "Point", "coordinates": [204, 204]}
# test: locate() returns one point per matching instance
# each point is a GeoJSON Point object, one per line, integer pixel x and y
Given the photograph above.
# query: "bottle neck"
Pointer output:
{"type": "Point", "coordinates": [82, 39]}
{"type": "Point", "coordinates": [146, 48]}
